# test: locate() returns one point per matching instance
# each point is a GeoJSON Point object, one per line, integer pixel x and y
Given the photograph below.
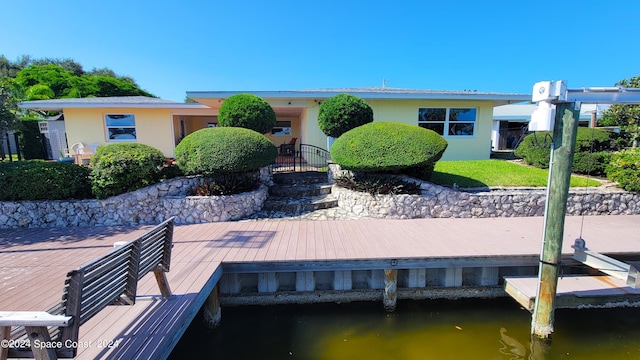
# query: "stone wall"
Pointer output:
{"type": "Point", "coordinates": [150, 205]}
{"type": "Point", "coordinates": [441, 202]}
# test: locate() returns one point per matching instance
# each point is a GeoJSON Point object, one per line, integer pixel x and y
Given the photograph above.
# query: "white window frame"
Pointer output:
{"type": "Point", "coordinates": [447, 122]}
{"type": "Point", "coordinates": [107, 127]}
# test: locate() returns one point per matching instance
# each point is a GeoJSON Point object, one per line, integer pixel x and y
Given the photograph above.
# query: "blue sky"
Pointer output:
{"type": "Point", "coordinates": [170, 47]}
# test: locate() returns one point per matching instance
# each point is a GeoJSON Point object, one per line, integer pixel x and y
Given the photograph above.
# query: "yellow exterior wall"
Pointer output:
{"type": "Point", "coordinates": [406, 111]}
{"type": "Point", "coordinates": [154, 127]}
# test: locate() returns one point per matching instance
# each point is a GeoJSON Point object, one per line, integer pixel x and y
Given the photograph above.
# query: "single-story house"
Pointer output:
{"type": "Point", "coordinates": [510, 122]}
{"type": "Point", "coordinates": [464, 118]}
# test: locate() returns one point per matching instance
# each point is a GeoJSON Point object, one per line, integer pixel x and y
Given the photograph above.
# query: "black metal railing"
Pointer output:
{"type": "Point", "coordinates": [306, 158]}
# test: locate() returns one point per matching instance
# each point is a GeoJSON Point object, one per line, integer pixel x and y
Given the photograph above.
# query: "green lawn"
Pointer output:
{"type": "Point", "coordinates": [481, 173]}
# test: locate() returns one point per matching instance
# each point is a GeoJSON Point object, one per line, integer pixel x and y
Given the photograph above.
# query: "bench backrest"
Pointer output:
{"type": "Point", "coordinates": [113, 278]}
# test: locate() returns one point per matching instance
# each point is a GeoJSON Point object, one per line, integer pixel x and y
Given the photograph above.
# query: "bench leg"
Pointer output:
{"type": "Point", "coordinates": [5, 334]}
{"type": "Point", "coordinates": [40, 334]}
{"type": "Point", "coordinates": [163, 283]}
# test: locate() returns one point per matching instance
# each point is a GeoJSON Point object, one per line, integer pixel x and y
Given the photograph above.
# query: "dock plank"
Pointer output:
{"type": "Point", "coordinates": [34, 262]}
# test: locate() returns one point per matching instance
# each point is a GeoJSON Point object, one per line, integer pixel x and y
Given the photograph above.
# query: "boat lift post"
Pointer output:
{"type": "Point", "coordinates": [564, 123]}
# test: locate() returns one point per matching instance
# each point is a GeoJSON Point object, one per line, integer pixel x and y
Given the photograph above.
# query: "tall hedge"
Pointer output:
{"type": "Point", "coordinates": [40, 180]}
{"type": "Point", "coordinates": [592, 152]}
{"type": "Point", "coordinates": [343, 112]}
{"type": "Point", "coordinates": [224, 150]}
{"type": "Point", "coordinates": [247, 111]}
{"type": "Point", "coordinates": [389, 146]}
{"type": "Point", "coordinates": [124, 167]}
{"type": "Point", "coordinates": [31, 140]}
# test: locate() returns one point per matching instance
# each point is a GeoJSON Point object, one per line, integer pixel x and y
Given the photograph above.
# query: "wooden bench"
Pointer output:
{"type": "Point", "coordinates": [109, 280]}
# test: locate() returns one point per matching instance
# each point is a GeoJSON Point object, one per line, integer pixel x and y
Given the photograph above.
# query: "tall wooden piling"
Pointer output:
{"type": "Point", "coordinates": [390, 289]}
{"type": "Point", "coordinates": [564, 140]}
{"type": "Point", "coordinates": [211, 309]}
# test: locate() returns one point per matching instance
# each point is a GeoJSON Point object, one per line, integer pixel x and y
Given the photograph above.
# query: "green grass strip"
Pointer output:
{"type": "Point", "coordinates": [495, 173]}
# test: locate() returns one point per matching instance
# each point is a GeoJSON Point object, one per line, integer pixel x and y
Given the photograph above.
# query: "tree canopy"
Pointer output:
{"type": "Point", "coordinates": [48, 78]}
{"type": "Point", "coordinates": [625, 116]}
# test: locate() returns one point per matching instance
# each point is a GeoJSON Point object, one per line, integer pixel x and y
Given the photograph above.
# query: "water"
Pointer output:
{"type": "Point", "coordinates": [464, 329]}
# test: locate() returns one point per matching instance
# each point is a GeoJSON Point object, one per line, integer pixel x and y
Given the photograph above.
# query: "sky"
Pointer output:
{"type": "Point", "coordinates": [171, 47]}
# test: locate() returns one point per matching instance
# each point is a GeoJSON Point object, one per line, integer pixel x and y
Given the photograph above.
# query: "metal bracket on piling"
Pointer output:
{"type": "Point", "coordinates": [605, 264]}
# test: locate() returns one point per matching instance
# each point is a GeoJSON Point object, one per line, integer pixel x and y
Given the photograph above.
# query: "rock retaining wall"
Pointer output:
{"type": "Point", "coordinates": [150, 205]}
{"type": "Point", "coordinates": [441, 202]}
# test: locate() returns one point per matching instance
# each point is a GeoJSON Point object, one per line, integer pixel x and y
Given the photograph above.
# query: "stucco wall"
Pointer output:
{"type": "Point", "coordinates": [475, 147]}
{"type": "Point", "coordinates": [154, 127]}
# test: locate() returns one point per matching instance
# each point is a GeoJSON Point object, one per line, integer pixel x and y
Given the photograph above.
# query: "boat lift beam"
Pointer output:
{"type": "Point", "coordinates": [605, 264]}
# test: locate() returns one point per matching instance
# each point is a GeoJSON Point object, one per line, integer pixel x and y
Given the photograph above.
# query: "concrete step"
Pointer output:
{"type": "Point", "coordinates": [299, 178]}
{"type": "Point", "coordinates": [298, 205]}
{"type": "Point", "coordinates": [296, 190]}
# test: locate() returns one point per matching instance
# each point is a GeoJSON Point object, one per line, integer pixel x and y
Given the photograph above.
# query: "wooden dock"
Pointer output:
{"type": "Point", "coordinates": [34, 262]}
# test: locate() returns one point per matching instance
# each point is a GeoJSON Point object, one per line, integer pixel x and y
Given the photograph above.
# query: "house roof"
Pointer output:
{"type": "Point", "coordinates": [107, 102]}
{"type": "Point", "coordinates": [371, 93]}
{"type": "Point", "coordinates": [522, 112]}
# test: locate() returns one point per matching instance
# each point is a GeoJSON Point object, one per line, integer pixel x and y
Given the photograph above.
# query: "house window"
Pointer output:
{"type": "Point", "coordinates": [449, 121]}
{"type": "Point", "coordinates": [121, 127]}
{"type": "Point", "coordinates": [282, 128]}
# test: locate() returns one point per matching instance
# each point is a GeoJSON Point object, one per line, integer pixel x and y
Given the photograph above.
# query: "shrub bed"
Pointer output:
{"type": "Point", "coordinates": [247, 111]}
{"type": "Point", "coordinates": [39, 180]}
{"type": "Point", "coordinates": [124, 167]}
{"type": "Point", "coordinates": [624, 169]}
{"type": "Point", "coordinates": [376, 184]}
{"type": "Point", "coordinates": [389, 147]}
{"type": "Point", "coordinates": [592, 152]}
{"type": "Point", "coordinates": [224, 150]}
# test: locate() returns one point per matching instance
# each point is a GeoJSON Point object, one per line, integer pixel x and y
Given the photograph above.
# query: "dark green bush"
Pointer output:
{"type": "Point", "coordinates": [228, 184]}
{"type": "Point", "coordinates": [40, 180]}
{"type": "Point", "coordinates": [377, 184]}
{"type": "Point", "coordinates": [343, 112]}
{"type": "Point", "coordinates": [224, 150]}
{"type": "Point", "coordinates": [247, 111]}
{"type": "Point", "coordinates": [30, 139]}
{"type": "Point", "coordinates": [124, 167]}
{"type": "Point", "coordinates": [624, 169]}
{"type": "Point", "coordinates": [590, 153]}
{"type": "Point", "coordinates": [591, 163]}
{"type": "Point", "coordinates": [388, 146]}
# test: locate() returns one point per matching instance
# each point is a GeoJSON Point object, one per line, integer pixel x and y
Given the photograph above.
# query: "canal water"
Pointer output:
{"type": "Point", "coordinates": [465, 329]}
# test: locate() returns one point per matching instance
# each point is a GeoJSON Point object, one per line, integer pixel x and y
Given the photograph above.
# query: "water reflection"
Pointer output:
{"type": "Point", "coordinates": [511, 347]}
{"type": "Point", "coordinates": [463, 329]}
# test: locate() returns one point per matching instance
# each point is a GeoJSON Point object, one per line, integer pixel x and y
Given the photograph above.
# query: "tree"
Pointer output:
{"type": "Point", "coordinates": [8, 106]}
{"type": "Point", "coordinates": [247, 111]}
{"type": "Point", "coordinates": [343, 112]}
{"type": "Point", "coordinates": [625, 116]}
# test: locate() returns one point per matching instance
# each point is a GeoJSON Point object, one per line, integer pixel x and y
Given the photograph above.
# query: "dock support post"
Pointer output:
{"type": "Point", "coordinates": [453, 277]}
{"type": "Point", "coordinates": [342, 280]}
{"type": "Point", "coordinates": [211, 310]}
{"type": "Point", "coordinates": [5, 334]}
{"type": "Point", "coordinates": [489, 276]}
{"type": "Point", "coordinates": [390, 289]}
{"type": "Point", "coordinates": [305, 281]}
{"type": "Point", "coordinates": [417, 278]}
{"type": "Point", "coordinates": [564, 139]}
{"type": "Point", "coordinates": [230, 284]}
{"type": "Point", "coordinates": [267, 282]}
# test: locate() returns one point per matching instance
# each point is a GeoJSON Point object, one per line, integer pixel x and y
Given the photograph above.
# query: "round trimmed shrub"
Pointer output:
{"type": "Point", "coordinates": [40, 180]}
{"type": "Point", "coordinates": [343, 112]}
{"type": "Point", "coordinates": [624, 169]}
{"type": "Point", "coordinates": [388, 146]}
{"type": "Point", "coordinates": [591, 153]}
{"type": "Point", "coordinates": [124, 167]}
{"type": "Point", "coordinates": [247, 111]}
{"type": "Point", "coordinates": [224, 150]}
